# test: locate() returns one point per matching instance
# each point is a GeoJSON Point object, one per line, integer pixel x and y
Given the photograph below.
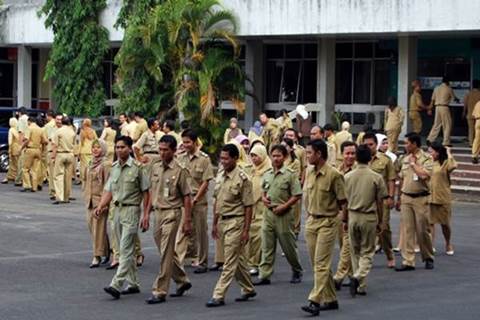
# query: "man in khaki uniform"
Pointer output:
{"type": "Point", "coordinates": [324, 192]}
{"type": "Point", "coordinates": [146, 148]}
{"type": "Point", "coordinates": [469, 102]}
{"type": "Point", "coordinates": [476, 141]}
{"type": "Point", "coordinates": [33, 144]}
{"type": "Point", "coordinates": [281, 190]}
{"type": "Point", "coordinates": [22, 128]}
{"type": "Point", "coordinates": [50, 132]}
{"type": "Point", "coordinates": [170, 192]}
{"type": "Point", "coordinates": [64, 141]}
{"type": "Point", "coordinates": [169, 128]}
{"type": "Point", "coordinates": [126, 188]}
{"type": "Point", "coordinates": [394, 117]}
{"type": "Point", "coordinates": [341, 137]}
{"type": "Point", "coordinates": [441, 98]}
{"type": "Point", "coordinates": [383, 165]}
{"type": "Point", "coordinates": [200, 171]}
{"type": "Point", "coordinates": [365, 191]}
{"type": "Point", "coordinates": [415, 107]}
{"type": "Point", "coordinates": [131, 128]}
{"type": "Point", "coordinates": [232, 216]}
{"type": "Point", "coordinates": [317, 133]}
{"type": "Point", "coordinates": [142, 125]}
{"type": "Point", "coordinates": [123, 119]}
{"type": "Point", "coordinates": [416, 169]}
{"type": "Point", "coordinates": [344, 266]}
{"type": "Point", "coordinates": [270, 130]}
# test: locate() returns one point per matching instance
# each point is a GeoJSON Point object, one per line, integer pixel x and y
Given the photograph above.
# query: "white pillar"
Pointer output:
{"type": "Point", "coordinates": [254, 66]}
{"type": "Point", "coordinates": [24, 79]}
{"type": "Point", "coordinates": [407, 72]}
{"type": "Point", "coordinates": [326, 80]}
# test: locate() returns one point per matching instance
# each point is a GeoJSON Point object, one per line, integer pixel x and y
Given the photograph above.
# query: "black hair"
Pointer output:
{"type": "Point", "coordinates": [31, 119]}
{"type": "Point", "coordinates": [191, 134]}
{"type": "Point", "coordinates": [414, 137]}
{"type": "Point", "coordinates": [138, 114]}
{"type": "Point", "coordinates": [185, 124]}
{"type": "Point", "coordinates": [232, 150]}
{"type": "Point", "coordinates": [170, 140]}
{"type": "Point", "coordinates": [327, 127]}
{"type": "Point", "coordinates": [370, 135]}
{"type": "Point", "coordinates": [126, 139]}
{"type": "Point", "coordinates": [170, 124]}
{"type": "Point", "coordinates": [108, 120]}
{"type": "Point", "coordinates": [50, 113]}
{"type": "Point", "coordinates": [442, 151]}
{"type": "Point", "coordinates": [293, 130]}
{"type": "Point", "coordinates": [347, 144]}
{"type": "Point", "coordinates": [123, 114]}
{"type": "Point", "coordinates": [319, 146]}
{"type": "Point", "coordinates": [151, 122]}
{"type": "Point", "coordinates": [58, 114]}
{"type": "Point", "coordinates": [363, 154]}
{"type": "Point", "coordinates": [392, 101]}
{"type": "Point", "coordinates": [281, 148]}
{"type": "Point", "coordinates": [66, 121]}
{"type": "Point", "coordinates": [22, 110]}
{"type": "Point", "coordinates": [291, 144]}
{"type": "Point", "coordinates": [445, 80]}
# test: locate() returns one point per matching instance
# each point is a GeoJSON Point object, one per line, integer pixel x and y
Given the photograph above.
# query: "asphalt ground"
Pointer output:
{"type": "Point", "coordinates": [45, 252]}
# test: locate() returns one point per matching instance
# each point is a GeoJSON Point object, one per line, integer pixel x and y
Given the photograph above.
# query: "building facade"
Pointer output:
{"type": "Point", "coordinates": [344, 56]}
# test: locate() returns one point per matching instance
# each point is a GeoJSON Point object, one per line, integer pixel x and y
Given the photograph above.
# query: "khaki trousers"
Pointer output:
{"type": "Point", "coordinates": [125, 223]}
{"type": "Point", "coordinates": [476, 141]}
{"type": "Point", "coordinates": [320, 234]}
{"type": "Point", "coordinates": [392, 137]}
{"type": "Point", "coordinates": [344, 266]}
{"type": "Point", "coordinates": [85, 159]}
{"type": "Point", "coordinates": [297, 211]}
{"type": "Point", "coordinates": [63, 175]}
{"type": "Point", "coordinates": [164, 233]}
{"type": "Point", "coordinates": [443, 121]}
{"type": "Point", "coordinates": [235, 265]}
{"type": "Point", "coordinates": [98, 233]}
{"type": "Point", "coordinates": [278, 227]}
{"type": "Point", "coordinates": [21, 160]}
{"type": "Point", "coordinates": [471, 130]}
{"type": "Point", "coordinates": [31, 169]}
{"type": "Point", "coordinates": [12, 167]}
{"type": "Point", "coordinates": [51, 175]}
{"type": "Point", "coordinates": [415, 217]}
{"type": "Point", "coordinates": [416, 119]}
{"type": "Point", "coordinates": [219, 250]}
{"type": "Point", "coordinates": [200, 224]}
{"type": "Point", "coordinates": [385, 238]}
{"type": "Point", "coordinates": [187, 246]}
{"type": "Point", "coordinates": [254, 245]}
{"type": "Point", "coordinates": [362, 231]}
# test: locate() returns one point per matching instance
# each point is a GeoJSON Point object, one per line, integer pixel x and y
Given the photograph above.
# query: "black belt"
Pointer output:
{"type": "Point", "coordinates": [151, 152]}
{"type": "Point", "coordinates": [417, 195]}
{"type": "Point", "coordinates": [441, 105]}
{"type": "Point", "coordinates": [318, 216]}
{"type": "Point", "coordinates": [231, 217]}
{"type": "Point", "coordinates": [64, 152]}
{"type": "Point", "coordinates": [119, 204]}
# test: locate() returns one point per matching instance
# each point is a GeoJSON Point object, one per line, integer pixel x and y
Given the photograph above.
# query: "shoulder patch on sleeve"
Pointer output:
{"type": "Point", "coordinates": [203, 154]}
{"type": "Point", "coordinates": [243, 175]}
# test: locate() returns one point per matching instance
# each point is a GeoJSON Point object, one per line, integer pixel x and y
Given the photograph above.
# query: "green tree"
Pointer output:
{"type": "Point", "coordinates": [79, 47]}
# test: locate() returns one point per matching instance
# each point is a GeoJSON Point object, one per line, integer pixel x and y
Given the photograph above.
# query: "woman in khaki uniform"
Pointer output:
{"type": "Point", "coordinates": [440, 193]}
{"type": "Point", "coordinates": [96, 175]}
{"type": "Point", "coordinates": [87, 136]}
{"type": "Point", "coordinates": [14, 148]}
{"type": "Point", "coordinates": [261, 163]}
{"type": "Point", "coordinates": [108, 135]}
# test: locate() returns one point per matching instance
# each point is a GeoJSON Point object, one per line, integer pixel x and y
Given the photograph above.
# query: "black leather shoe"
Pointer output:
{"type": "Point", "coordinates": [312, 308]}
{"type": "Point", "coordinates": [354, 284]}
{"type": "Point", "coordinates": [105, 260]}
{"type": "Point", "coordinates": [155, 299]}
{"type": "Point", "coordinates": [130, 290]}
{"type": "Point", "coordinates": [329, 306]}
{"type": "Point", "coordinates": [39, 188]}
{"type": "Point", "coordinates": [404, 268]}
{"type": "Point", "coordinates": [212, 303]}
{"type": "Point", "coordinates": [296, 277]}
{"type": "Point", "coordinates": [474, 161]}
{"type": "Point", "coordinates": [94, 265]}
{"type": "Point", "coordinates": [181, 290]}
{"type": "Point", "coordinates": [26, 190]}
{"type": "Point", "coordinates": [262, 282]}
{"type": "Point", "coordinates": [429, 264]}
{"type": "Point", "coordinates": [361, 293]}
{"type": "Point", "coordinates": [200, 270]}
{"type": "Point", "coordinates": [113, 292]}
{"type": "Point", "coordinates": [53, 198]}
{"type": "Point", "coordinates": [338, 284]}
{"type": "Point", "coordinates": [72, 199]}
{"type": "Point", "coordinates": [216, 267]}
{"type": "Point", "coordinates": [246, 296]}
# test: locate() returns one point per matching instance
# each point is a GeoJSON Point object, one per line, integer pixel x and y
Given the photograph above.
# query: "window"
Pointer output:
{"type": "Point", "coordinates": [365, 72]}
{"type": "Point", "coordinates": [109, 69]}
{"type": "Point", "coordinates": [291, 73]}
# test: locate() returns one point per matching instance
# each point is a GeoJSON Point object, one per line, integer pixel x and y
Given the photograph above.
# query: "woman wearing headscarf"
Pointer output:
{"type": "Point", "coordinates": [14, 148]}
{"type": "Point", "coordinates": [108, 135]}
{"type": "Point", "coordinates": [261, 163]}
{"type": "Point", "coordinates": [87, 135]}
{"type": "Point", "coordinates": [440, 193]}
{"type": "Point", "coordinates": [96, 176]}
{"type": "Point", "coordinates": [232, 132]}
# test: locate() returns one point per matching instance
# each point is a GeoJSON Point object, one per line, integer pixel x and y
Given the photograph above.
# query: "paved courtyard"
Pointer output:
{"type": "Point", "coordinates": [45, 253]}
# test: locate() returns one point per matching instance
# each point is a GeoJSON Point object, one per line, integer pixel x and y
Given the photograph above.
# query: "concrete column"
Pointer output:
{"type": "Point", "coordinates": [326, 80]}
{"type": "Point", "coordinates": [407, 72]}
{"type": "Point", "coordinates": [24, 78]}
{"type": "Point", "coordinates": [254, 68]}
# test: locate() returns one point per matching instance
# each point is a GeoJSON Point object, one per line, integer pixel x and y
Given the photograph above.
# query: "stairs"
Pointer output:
{"type": "Point", "coordinates": [466, 178]}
